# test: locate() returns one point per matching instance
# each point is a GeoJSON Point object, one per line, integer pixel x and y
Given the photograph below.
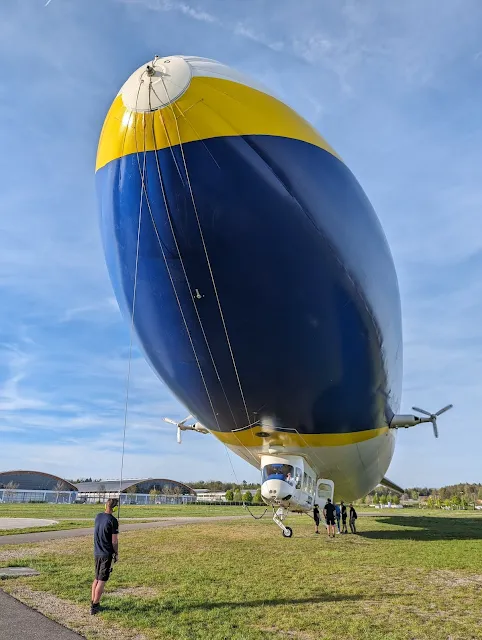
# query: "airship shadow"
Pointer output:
{"type": "Point", "coordinates": [426, 528]}
{"type": "Point", "coordinates": [147, 607]}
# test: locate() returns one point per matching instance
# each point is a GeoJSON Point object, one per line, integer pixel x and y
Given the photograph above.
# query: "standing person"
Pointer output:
{"type": "Point", "coordinates": [329, 513]}
{"type": "Point", "coordinates": [337, 516]}
{"type": "Point", "coordinates": [353, 517]}
{"type": "Point", "coordinates": [316, 518]}
{"type": "Point", "coordinates": [106, 549]}
{"type": "Point", "coordinates": [343, 517]}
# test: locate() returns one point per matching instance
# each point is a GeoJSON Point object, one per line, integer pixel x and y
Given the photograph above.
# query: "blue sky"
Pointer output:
{"type": "Point", "coordinates": [396, 88]}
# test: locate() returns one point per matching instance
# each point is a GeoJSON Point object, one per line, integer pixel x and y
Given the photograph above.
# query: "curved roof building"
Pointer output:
{"type": "Point", "coordinates": [163, 485]}
{"type": "Point", "coordinates": [34, 481]}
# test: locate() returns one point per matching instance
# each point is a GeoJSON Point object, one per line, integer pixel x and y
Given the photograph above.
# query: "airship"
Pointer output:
{"type": "Point", "coordinates": [256, 277]}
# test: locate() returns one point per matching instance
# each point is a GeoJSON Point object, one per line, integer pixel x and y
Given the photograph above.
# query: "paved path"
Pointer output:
{"type": "Point", "coordinates": [24, 538]}
{"type": "Point", "coordinates": [17, 621]}
{"type": "Point", "coordinates": [24, 523]}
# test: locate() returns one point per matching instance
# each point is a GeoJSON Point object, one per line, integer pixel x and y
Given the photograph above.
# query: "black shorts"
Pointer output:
{"type": "Point", "coordinates": [103, 568]}
{"type": "Point", "coordinates": [330, 520]}
{"type": "Point", "coordinates": [317, 521]}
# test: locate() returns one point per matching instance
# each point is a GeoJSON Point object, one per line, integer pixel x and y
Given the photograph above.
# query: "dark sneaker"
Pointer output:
{"type": "Point", "coordinates": [94, 608]}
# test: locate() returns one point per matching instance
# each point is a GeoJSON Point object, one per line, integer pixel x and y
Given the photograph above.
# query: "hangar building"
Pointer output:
{"type": "Point", "coordinates": [34, 481]}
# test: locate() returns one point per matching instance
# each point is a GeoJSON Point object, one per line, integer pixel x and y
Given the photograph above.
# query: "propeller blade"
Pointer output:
{"type": "Point", "coordinates": [435, 430]}
{"type": "Point", "coordinates": [170, 421]}
{"type": "Point", "coordinates": [186, 419]}
{"type": "Point", "coordinates": [449, 406]}
{"type": "Point", "coordinates": [179, 436]}
{"type": "Point", "coordinates": [421, 411]}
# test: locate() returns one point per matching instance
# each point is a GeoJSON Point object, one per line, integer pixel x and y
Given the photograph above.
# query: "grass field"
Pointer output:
{"type": "Point", "coordinates": [71, 511]}
{"type": "Point", "coordinates": [415, 576]}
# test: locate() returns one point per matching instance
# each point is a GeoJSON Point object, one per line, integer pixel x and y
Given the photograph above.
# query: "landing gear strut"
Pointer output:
{"type": "Point", "coordinates": [278, 519]}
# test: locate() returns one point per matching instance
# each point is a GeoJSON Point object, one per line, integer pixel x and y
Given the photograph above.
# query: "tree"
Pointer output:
{"type": "Point", "coordinates": [376, 499]}
{"type": "Point", "coordinates": [396, 499]}
{"type": "Point", "coordinates": [414, 494]}
{"type": "Point", "coordinates": [248, 496]}
{"type": "Point", "coordinates": [238, 496]}
{"type": "Point", "coordinates": [229, 495]}
{"type": "Point", "coordinates": [383, 499]}
{"type": "Point", "coordinates": [257, 496]}
{"type": "Point", "coordinates": [153, 493]}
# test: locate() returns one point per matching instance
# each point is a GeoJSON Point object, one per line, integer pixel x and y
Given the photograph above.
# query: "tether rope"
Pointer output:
{"type": "Point", "coordinates": [131, 332]}
{"type": "Point", "coordinates": [142, 174]}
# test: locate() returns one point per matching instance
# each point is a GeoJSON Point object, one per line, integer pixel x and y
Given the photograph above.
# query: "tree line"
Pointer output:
{"type": "Point", "coordinates": [464, 493]}
{"type": "Point", "coordinates": [217, 485]}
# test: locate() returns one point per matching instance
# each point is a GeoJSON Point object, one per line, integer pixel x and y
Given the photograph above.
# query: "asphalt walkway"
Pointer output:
{"type": "Point", "coordinates": [26, 538]}
{"type": "Point", "coordinates": [17, 621]}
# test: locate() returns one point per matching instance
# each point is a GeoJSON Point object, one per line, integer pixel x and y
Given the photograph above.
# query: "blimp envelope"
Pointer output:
{"type": "Point", "coordinates": [262, 287]}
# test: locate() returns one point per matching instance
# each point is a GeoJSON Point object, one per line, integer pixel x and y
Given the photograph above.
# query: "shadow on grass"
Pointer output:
{"type": "Point", "coordinates": [149, 607]}
{"type": "Point", "coordinates": [427, 528]}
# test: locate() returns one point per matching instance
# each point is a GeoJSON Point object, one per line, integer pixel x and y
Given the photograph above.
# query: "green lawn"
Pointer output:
{"type": "Point", "coordinates": [62, 525]}
{"type": "Point", "coordinates": [416, 576]}
{"type": "Point", "coordinates": [70, 511]}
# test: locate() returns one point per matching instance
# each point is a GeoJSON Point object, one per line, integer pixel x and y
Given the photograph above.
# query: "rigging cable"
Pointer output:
{"type": "Point", "coordinates": [166, 205]}
{"type": "Point", "coordinates": [211, 274]}
{"type": "Point", "coordinates": [206, 251]}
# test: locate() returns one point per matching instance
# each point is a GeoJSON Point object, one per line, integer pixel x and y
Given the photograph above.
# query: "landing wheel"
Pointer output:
{"type": "Point", "coordinates": [287, 532]}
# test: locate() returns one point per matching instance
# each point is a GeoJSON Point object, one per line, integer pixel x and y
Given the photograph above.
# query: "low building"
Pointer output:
{"type": "Point", "coordinates": [137, 491]}
{"type": "Point", "coordinates": [205, 495]}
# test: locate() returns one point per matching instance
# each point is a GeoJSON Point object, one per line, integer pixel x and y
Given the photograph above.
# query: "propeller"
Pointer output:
{"type": "Point", "coordinates": [182, 426]}
{"type": "Point", "coordinates": [179, 426]}
{"type": "Point", "coordinates": [433, 416]}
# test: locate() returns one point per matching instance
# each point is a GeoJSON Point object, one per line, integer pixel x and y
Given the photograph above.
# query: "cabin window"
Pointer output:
{"type": "Point", "coordinates": [298, 477]}
{"type": "Point", "coordinates": [324, 491]}
{"type": "Point", "coordinates": [305, 482]}
{"type": "Point", "coordinates": [278, 472]}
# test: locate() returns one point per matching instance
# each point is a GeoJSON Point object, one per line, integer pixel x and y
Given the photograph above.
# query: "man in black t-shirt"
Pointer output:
{"type": "Point", "coordinates": [329, 513]}
{"type": "Point", "coordinates": [106, 548]}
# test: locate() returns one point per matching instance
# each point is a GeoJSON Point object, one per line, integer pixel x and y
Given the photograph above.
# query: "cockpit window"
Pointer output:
{"type": "Point", "coordinates": [279, 472]}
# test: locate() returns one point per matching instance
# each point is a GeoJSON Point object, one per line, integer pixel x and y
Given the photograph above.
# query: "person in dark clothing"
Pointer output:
{"type": "Point", "coordinates": [353, 517]}
{"type": "Point", "coordinates": [329, 513]}
{"type": "Point", "coordinates": [316, 517]}
{"type": "Point", "coordinates": [343, 517]}
{"type": "Point", "coordinates": [337, 517]}
{"type": "Point", "coordinates": [106, 549]}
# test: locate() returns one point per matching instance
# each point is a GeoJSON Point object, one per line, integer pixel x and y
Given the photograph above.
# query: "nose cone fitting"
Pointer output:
{"type": "Point", "coordinates": [156, 84]}
{"type": "Point", "coordinates": [276, 490]}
